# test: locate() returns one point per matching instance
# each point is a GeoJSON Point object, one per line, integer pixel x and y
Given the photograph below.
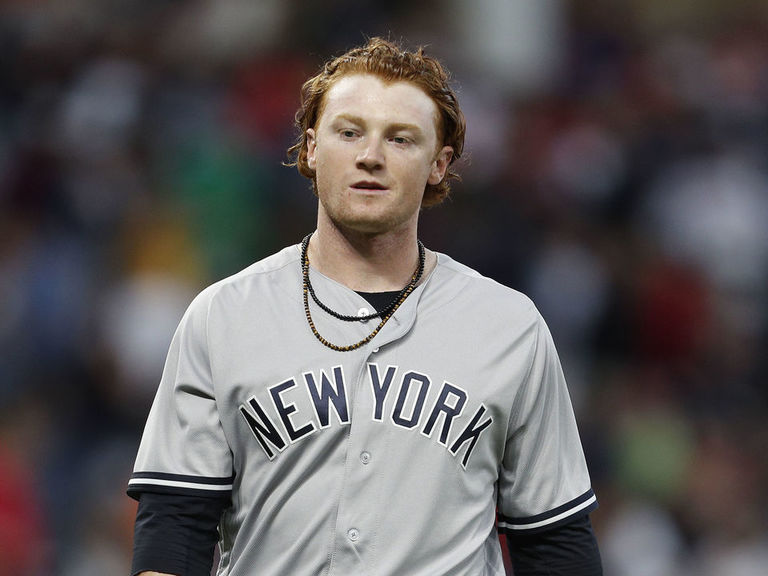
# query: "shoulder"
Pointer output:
{"type": "Point", "coordinates": [467, 285]}
{"type": "Point", "coordinates": [275, 270]}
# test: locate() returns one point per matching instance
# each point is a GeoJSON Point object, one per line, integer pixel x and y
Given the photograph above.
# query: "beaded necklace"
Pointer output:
{"type": "Point", "coordinates": [385, 314]}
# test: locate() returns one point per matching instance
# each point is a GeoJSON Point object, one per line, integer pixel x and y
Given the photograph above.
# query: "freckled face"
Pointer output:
{"type": "Point", "coordinates": [374, 149]}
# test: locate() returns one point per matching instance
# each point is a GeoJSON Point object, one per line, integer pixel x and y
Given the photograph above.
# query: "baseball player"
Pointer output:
{"type": "Point", "coordinates": [358, 404]}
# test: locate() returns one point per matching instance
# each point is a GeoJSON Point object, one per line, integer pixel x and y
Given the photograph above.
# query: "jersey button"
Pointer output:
{"type": "Point", "coordinates": [353, 534]}
{"type": "Point", "coordinates": [365, 457]}
{"type": "Point", "coordinates": [363, 312]}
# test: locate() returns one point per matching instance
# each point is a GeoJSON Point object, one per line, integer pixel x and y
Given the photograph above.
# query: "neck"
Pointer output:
{"type": "Point", "coordinates": [365, 263]}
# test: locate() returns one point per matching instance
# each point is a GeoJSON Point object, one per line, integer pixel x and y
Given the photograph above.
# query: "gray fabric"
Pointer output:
{"type": "Point", "coordinates": [388, 460]}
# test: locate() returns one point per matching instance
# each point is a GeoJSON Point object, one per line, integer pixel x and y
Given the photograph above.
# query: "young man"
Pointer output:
{"type": "Point", "coordinates": [357, 404]}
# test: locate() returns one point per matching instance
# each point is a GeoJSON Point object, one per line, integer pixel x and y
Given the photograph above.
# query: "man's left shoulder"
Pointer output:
{"type": "Point", "coordinates": [483, 290]}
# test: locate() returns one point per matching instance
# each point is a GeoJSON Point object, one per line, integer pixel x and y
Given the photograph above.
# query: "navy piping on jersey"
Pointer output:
{"type": "Point", "coordinates": [583, 504]}
{"type": "Point", "coordinates": [163, 482]}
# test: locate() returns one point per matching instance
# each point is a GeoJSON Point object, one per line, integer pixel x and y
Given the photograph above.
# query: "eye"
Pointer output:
{"type": "Point", "coordinates": [347, 133]}
{"type": "Point", "coordinates": [402, 140]}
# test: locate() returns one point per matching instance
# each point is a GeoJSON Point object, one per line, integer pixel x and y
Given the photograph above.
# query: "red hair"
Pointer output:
{"type": "Point", "coordinates": [391, 63]}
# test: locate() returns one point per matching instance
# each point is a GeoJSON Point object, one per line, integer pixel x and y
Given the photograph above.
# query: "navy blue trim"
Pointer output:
{"type": "Point", "coordinates": [186, 485]}
{"type": "Point", "coordinates": [223, 481]}
{"type": "Point", "coordinates": [540, 520]}
{"type": "Point", "coordinates": [135, 491]}
{"type": "Point", "coordinates": [550, 513]}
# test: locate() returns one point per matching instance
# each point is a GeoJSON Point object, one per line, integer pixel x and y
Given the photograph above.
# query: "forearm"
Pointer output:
{"type": "Point", "coordinates": [175, 535]}
{"type": "Point", "coordinates": [568, 550]}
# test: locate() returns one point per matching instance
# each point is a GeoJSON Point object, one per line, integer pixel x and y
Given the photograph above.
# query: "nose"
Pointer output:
{"type": "Point", "coordinates": [371, 155]}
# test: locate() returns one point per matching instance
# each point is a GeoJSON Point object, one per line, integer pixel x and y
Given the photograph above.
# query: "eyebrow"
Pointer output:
{"type": "Point", "coordinates": [394, 127]}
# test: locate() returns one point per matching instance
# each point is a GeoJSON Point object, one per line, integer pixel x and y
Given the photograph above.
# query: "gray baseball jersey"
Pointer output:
{"type": "Point", "coordinates": [392, 459]}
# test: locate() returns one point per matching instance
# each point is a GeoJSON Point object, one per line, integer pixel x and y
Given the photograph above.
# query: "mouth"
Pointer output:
{"type": "Point", "coordinates": [368, 185]}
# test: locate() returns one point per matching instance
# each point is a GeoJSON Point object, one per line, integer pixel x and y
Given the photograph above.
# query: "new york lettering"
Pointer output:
{"type": "Point", "coordinates": [278, 423]}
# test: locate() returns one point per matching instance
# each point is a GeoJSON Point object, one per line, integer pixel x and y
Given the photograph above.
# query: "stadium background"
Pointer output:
{"type": "Point", "coordinates": [617, 172]}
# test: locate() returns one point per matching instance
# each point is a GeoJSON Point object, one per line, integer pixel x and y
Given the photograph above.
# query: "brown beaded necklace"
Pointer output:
{"type": "Point", "coordinates": [385, 314]}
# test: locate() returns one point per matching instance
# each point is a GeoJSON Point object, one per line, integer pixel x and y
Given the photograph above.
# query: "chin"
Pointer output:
{"type": "Point", "coordinates": [365, 228]}
{"type": "Point", "coordinates": [370, 225]}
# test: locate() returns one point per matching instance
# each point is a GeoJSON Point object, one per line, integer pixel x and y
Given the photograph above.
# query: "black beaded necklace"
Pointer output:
{"type": "Point", "coordinates": [385, 314]}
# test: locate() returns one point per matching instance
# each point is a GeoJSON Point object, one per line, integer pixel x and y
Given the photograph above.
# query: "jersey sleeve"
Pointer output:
{"type": "Point", "coordinates": [183, 449]}
{"type": "Point", "coordinates": [544, 480]}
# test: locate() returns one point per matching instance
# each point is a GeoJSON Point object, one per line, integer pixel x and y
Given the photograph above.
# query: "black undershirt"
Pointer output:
{"type": "Point", "coordinates": [176, 534]}
{"type": "Point", "coordinates": [379, 300]}
{"type": "Point", "coordinates": [567, 550]}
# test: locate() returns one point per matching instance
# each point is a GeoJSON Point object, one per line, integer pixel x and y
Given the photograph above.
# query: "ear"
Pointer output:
{"type": "Point", "coordinates": [440, 165]}
{"type": "Point", "coordinates": [311, 148]}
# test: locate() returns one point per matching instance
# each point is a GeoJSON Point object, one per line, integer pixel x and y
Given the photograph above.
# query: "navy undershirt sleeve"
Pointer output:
{"type": "Point", "coordinates": [567, 550]}
{"type": "Point", "coordinates": [176, 534]}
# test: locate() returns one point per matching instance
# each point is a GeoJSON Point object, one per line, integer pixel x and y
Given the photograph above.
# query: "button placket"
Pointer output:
{"type": "Point", "coordinates": [356, 525]}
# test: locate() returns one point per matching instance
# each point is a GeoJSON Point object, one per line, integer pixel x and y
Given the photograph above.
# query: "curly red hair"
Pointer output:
{"type": "Point", "coordinates": [391, 63]}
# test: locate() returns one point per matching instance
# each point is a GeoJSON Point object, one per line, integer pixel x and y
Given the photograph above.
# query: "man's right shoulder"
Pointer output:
{"type": "Point", "coordinates": [286, 258]}
{"type": "Point", "coordinates": [280, 267]}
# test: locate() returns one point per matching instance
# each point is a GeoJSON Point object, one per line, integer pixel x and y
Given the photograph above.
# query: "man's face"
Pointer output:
{"type": "Point", "coordinates": [374, 149]}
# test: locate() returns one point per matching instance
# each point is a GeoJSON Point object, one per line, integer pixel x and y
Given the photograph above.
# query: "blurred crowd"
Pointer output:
{"type": "Point", "coordinates": [616, 171]}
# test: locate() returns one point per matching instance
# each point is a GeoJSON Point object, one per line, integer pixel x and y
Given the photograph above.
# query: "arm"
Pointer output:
{"type": "Point", "coordinates": [545, 492]}
{"type": "Point", "coordinates": [567, 550]}
{"type": "Point", "coordinates": [183, 474]}
{"type": "Point", "coordinates": [175, 534]}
